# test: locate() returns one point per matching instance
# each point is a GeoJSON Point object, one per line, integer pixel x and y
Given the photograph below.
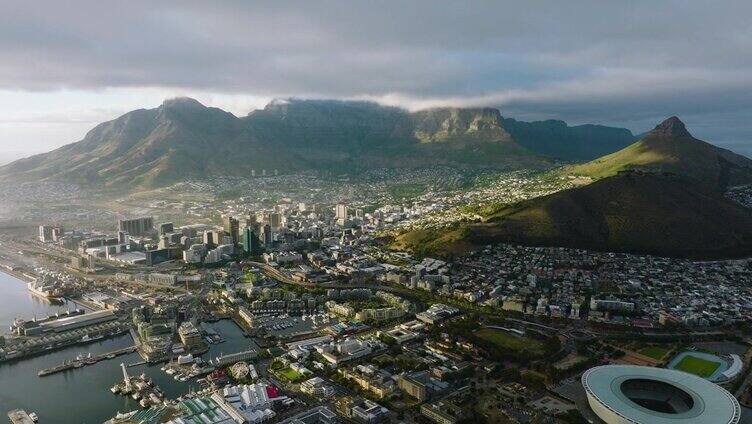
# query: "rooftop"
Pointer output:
{"type": "Point", "coordinates": [659, 396]}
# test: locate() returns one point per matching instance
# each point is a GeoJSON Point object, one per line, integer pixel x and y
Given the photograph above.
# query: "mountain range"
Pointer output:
{"type": "Point", "coordinates": [662, 195]}
{"type": "Point", "coordinates": [183, 139]}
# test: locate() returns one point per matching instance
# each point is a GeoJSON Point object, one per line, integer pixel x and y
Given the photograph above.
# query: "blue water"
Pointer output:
{"type": "Point", "coordinates": [81, 395]}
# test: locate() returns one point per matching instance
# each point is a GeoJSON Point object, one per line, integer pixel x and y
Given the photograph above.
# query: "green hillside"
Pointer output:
{"type": "Point", "coordinates": [670, 148]}
{"type": "Point", "coordinates": [630, 212]}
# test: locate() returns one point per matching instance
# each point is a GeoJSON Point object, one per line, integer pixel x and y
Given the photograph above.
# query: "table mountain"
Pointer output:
{"type": "Point", "coordinates": [183, 139]}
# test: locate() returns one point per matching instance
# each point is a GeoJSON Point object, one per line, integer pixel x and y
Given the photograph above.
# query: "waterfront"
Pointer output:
{"type": "Point", "coordinates": [81, 396]}
{"type": "Point", "coordinates": [15, 301]}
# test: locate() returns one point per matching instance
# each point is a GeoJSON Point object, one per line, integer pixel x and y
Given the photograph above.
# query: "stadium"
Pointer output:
{"type": "Point", "coordinates": [719, 369]}
{"type": "Point", "coordinates": [628, 394]}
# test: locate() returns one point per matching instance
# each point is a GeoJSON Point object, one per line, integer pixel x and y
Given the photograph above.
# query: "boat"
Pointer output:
{"type": "Point", "coordinates": [34, 417]}
{"type": "Point", "coordinates": [45, 290]}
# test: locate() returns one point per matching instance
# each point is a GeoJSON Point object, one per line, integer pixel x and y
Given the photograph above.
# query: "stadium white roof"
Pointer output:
{"type": "Point", "coordinates": [619, 388]}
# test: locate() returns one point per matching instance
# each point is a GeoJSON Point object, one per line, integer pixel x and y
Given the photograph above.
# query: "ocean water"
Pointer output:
{"type": "Point", "coordinates": [80, 395]}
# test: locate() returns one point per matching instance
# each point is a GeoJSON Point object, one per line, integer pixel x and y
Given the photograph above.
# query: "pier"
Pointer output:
{"type": "Point", "coordinates": [19, 416]}
{"type": "Point", "coordinates": [84, 361]}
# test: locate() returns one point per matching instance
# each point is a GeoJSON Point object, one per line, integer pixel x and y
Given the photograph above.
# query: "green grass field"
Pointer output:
{"type": "Point", "coordinates": [697, 366]}
{"type": "Point", "coordinates": [289, 374]}
{"type": "Point", "coordinates": [512, 342]}
{"type": "Point", "coordinates": [655, 352]}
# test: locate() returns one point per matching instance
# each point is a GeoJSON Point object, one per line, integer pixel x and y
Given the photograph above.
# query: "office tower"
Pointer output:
{"type": "Point", "coordinates": [211, 238]}
{"type": "Point", "coordinates": [275, 220]}
{"type": "Point", "coordinates": [45, 233]}
{"type": "Point", "coordinates": [340, 214]}
{"type": "Point", "coordinates": [251, 242]}
{"type": "Point", "coordinates": [136, 226]}
{"type": "Point", "coordinates": [57, 233]}
{"type": "Point", "coordinates": [164, 241]}
{"type": "Point", "coordinates": [266, 235]}
{"type": "Point", "coordinates": [232, 228]}
{"type": "Point", "coordinates": [166, 228]}
{"type": "Point", "coordinates": [340, 211]}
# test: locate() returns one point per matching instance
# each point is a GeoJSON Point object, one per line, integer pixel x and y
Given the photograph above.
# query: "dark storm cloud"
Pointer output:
{"type": "Point", "coordinates": [599, 61]}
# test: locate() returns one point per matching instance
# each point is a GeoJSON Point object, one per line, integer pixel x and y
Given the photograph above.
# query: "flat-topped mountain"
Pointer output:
{"type": "Point", "coordinates": [670, 148]}
{"type": "Point", "coordinates": [183, 139]}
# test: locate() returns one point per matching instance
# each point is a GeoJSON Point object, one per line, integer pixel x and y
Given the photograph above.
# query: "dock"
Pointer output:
{"type": "Point", "coordinates": [84, 361]}
{"type": "Point", "coordinates": [19, 416]}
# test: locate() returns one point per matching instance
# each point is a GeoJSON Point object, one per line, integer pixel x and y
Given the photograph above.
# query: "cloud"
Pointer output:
{"type": "Point", "coordinates": [624, 63]}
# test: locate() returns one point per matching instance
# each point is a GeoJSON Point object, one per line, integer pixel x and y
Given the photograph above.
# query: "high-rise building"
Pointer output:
{"type": "Point", "coordinates": [340, 214]}
{"type": "Point", "coordinates": [359, 213]}
{"type": "Point", "coordinates": [166, 228]}
{"type": "Point", "coordinates": [45, 233]}
{"type": "Point", "coordinates": [266, 235]}
{"type": "Point", "coordinates": [212, 238]}
{"type": "Point", "coordinates": [136, 226]}
{"type": "Point", "coordinates": [251, 242]}
{"type": "Point", "coordinates": [232, 228]}
{"type": "Point", "coordinates": [164, 241]}
{"type": "Point", "coordinates": [57, 233]}
{"type": "Point", "coordinates": [275, 220]}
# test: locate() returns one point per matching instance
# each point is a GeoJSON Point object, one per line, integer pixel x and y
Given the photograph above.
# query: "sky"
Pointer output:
{"type": "Point", "coordinates": [67, 66]}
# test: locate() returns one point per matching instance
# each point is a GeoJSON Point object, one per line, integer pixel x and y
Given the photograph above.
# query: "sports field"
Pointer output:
{"type": "Point", "coordinates": [654, 352]}
{"type": "Point", "coordinates": [697, 366]}
{"type": "Point", "coordinates": [513, 342]}
{"type": "Point", "coordinates": [289, 374]}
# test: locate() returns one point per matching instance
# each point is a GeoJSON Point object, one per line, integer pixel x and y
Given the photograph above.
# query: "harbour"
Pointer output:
{"type": "Point", "coordinates": [86, 389]}
{"type": "Point", "coordinates": [82, 361]}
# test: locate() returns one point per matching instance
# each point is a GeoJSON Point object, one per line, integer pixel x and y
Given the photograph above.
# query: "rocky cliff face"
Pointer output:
{"type": "Point", "coordinates": [184, 139]}
{"type": "Point", "coordinates": [449, 123]}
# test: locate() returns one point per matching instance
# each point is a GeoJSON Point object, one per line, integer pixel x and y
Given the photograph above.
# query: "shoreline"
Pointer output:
{"type": "Point", "coordinates": [6, 269]}
{"type": "Point", "coordinates": [25, 279]}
